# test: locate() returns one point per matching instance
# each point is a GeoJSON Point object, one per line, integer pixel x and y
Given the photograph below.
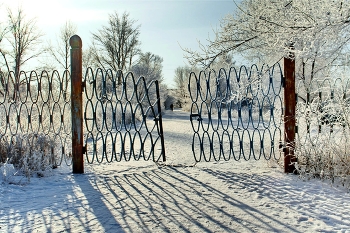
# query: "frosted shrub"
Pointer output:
{"type": "Point", "coordinates": [29, 154]}
{"type": "Point", "coordinates": [327, 158]}
{"type": "Point", "coordinates": [7, 172]}
{"type": "Point", "coordinates": [324, 135]}
{"type": "Point", "coordinates": [3, 150]}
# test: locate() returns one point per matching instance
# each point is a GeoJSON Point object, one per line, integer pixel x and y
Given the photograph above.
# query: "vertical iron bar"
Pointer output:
{"type": "Point", "coordinates": [160, 120]}
{"type": "Point", "coordinates": [289, 115]}
{"type": "Point", "coordinates": [77, 104]}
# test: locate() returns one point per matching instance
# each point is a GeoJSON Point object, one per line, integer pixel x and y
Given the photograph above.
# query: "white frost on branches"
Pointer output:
{"type": "Point", "coordinates": [317, 31]}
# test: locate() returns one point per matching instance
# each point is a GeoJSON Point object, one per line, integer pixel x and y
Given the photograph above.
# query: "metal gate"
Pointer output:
{"type": "Point", "coordinates": [122, 118]}
{"type": "Point", "coordinates": [237, 113]}
{"type": "Point", "coordinates": [114, 117]}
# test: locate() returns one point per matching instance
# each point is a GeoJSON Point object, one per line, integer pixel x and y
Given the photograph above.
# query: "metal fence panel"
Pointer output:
{"type": "Point", "coordinates": [237, 113]}
{"type": "Point", "coordinates": [35, 116]}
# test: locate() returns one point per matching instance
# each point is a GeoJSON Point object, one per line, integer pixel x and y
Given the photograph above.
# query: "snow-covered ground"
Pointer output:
{"type": "Point", "coordinates": [143, 197]}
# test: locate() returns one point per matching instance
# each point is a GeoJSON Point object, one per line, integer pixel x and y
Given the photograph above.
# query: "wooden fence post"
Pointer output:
{"type": "Point", "coordinates": [289, 115]}
{"type": "Point", "coordinates": [77, 104]}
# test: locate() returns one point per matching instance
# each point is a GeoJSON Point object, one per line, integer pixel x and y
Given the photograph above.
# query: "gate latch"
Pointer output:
{"type": "Point", "coordinates": [196, 115]}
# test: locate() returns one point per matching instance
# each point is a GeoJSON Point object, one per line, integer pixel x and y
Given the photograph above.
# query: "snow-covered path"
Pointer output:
{"type": "Point", "coordinates": [142, 197]}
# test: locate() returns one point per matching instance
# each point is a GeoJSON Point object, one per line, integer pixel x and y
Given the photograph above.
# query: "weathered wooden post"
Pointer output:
{"type": "Point", "coordinates": [289, 114]}
{"type": "Point", "coordinates": [77, 104]}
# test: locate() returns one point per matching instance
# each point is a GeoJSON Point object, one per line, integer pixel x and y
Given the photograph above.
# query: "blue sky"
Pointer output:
{"type": "Point", "coordinates": [165, 25]}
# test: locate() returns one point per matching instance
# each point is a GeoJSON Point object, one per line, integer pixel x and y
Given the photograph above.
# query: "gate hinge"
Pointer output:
{"type": "Point", "coordinates": [281, 146]}
{"type": "Point", "coordinates": [84, 150]}
{"type": "Point", "coordinates": [83, 86]}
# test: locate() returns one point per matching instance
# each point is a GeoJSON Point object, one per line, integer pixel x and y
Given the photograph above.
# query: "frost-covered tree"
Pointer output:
{"type": "Point", "coordinates": [316, 31]}
{"type": "Point", "coordinates": [61, 52]}
{"type": "Point", "coordinates": [116, 45]}
{"type": "Point", "coordinates": [223, 61]}
{"type": "Point", "coordinates": [19, 42]}
{"type": "Point", "coordinates": [181, 77]}
{"type": "Point", "coordinates": [150, 67]}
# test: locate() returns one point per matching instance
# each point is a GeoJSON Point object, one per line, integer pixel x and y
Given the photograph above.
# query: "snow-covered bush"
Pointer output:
{"type": "Point", "coordinates": [3, 151]}
{"type": "Point", "coordinates": [323, 119]}
{"type": "Point", "coordinates": [29, 154]}
{"type": "Point", "coordinates": [8, 173]}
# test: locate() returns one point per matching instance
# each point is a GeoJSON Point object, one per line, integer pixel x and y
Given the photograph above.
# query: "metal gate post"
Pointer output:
{"type": "Point", "coordinates": [160, 121]}
{"type": "Point", "coordinates": [289, 115]}
{"type": "Point", "coordinates": [77, 104]}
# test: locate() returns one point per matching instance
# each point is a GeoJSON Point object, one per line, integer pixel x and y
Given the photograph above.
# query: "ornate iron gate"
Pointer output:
{"type": "Point", "coordinates": [122, 118]}
{"type": "Point", "coordinates": [118, 113]}
{"type": "Point", "coordinates": [237, 113]}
